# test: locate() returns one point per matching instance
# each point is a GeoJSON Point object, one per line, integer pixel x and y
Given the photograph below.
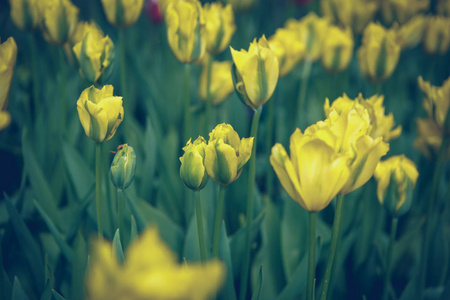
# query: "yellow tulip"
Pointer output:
{"type": "Point", "coordinates": [226, 154]}
{"type": "Point", "coordinates": [95, 53]}
{"type": "Point", "coordinates": [60, 18]}
{"type": "Point", "coordinates": [287, 48]}
{"type": "Point", "coordinates": [100, 112]}
{"type": "Point", "coordinates": [221, 84]}
{"type": "Point", "coordinates": [240, 5]}
{"type": "Point", "coordinates": [396, 178]}
{"type": "Point", "coordinates": [25, 14]}
{"type": "Point", "coordinates": [255, 72]}
{"type": "Point", "coordinates": [380, 124]}
{"type": "Point", "coordinates": [192, 170]}
{"type": "Point", "coordinates": [402, 10]}
{"type": "Point", "coordinates": [337, 49]}
{"type": "Point", "coordinates": [122, 13]}
{"type": "Point", "coordinates": [411, 33]}
{"type": "Point", "coordinates": [379, 53]}
{"type": "Point", "coordinates": [8, 55]}
{"type": "Point", "coordinates": [123, 167]}
{"type": "Point", "coordinates": [150, 271]}
{"type": "Point", "coordinates": [314, 174]}
{"type": "Point", "coordinates": [443, 7]}
{"type": "Point", "coordinates": [429, 138]}
{"type": "Point", "coordinates": [437, 35]}
{"type": "Point", "coordinates": [219, 26]}
{"type": "Point", "coordinates": [5, 119]}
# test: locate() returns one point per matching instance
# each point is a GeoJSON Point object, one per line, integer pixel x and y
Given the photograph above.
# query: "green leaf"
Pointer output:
{"type": "Point", "coordinates": [228, 291]}
{"type": "Point", "coordinates": [117, 247]}
{"type": "Point", "coordinates": [259, 285]}
{"type": "Point", "coordinates": [5, 284]}
{"type": "Point", "coordinates": [18, 293]}
{"type": "Point", "coordinates": [191, 247]}
{"type": "Point", "coordinates": [57, 296]}
{"type": "Point", "coordinates": [49, 281]}
{"type": "Point", "coordinates": [79, 265]}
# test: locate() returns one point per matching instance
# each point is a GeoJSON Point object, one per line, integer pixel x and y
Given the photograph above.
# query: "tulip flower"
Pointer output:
{"type": "Point", "coordinates": [192, 170]}
{"type": "Point", "coordinates": [8, 55]}
{"type": "Point", "coordinates": [219, 26]}
{"type": "Point", "coordinates": [100, 112]}
{"type": "Point", "coordinates": [396, 178]}
{"type": "Point", "coordinates": [123, 167]}
{"type": "Point", "coordinates": [255, 73]}
{"type": "Point", "coordinates": [337, 49]}
{"type": "Point", "coordinates": [150, 271]}
{"type": "Point", "coordinates": [221, 84]}
{"type": "Point", "coordinates": [379, 53]}
{"type": "Point", "coordinates": [402, 10]}
{"type": "Point", "coordinates": [60, 18]}
{"type": "Point", "coordinates": [95, 54]}
{"type": "Point", "coordinates": [26, 14]}
{"type": "Point", "coordinates": [437, 35]}
{"type": "Point", "coordinates": [412, 32]}
{"type": "Point", "coordinates": [287, 48]}
{"type": "Point", "coordinates": [122, 13]}
{"type": "Point", "coordinates": [226, 154]}
{"type": "Point", "coordinates": [186, 30]}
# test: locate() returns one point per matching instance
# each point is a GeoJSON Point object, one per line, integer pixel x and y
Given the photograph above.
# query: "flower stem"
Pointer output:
{"type": "Point", "coordinates": [208, 111]}
{"type": "Point", "coordinates": [311, 255]}
{"type": "Point", "coordinates": [269, 141]}
{"type": "Point", "coordinates": [123, 71]}
{"type": "Point", "coordinates": [34, 68]}
{"type": "Point", "coordinates": [62, 69]}
{"type": "Point", "coordinates": [302, 92]}
{"type": "Point", "coordinates": [251, 190]}
{"type": "Point", "coordinates": [333, 245]}
{"type": "Point", "coordinates": [98, 187]}
{"type": "Point", "coordinates": [120, 201]}
{"type": "Point", "coordinates": [387, 273]}
{"type": "Point", "coordinates": [201, 232]}
{"type": "Point", "coordinates": [187, 112]}
{"type": "Point", "coordinates": [219, 213]}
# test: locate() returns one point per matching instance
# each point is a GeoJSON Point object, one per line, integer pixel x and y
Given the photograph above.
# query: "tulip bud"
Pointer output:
{"type": "Point", "coordinates": [221, 84]}
{"type": "Point", "coordinates": [219, 27]}
{"type": "Point", "coordinates": [255, 73]}
{"type": "Point", "coordinates": [412, 32]}
{"type": "Point", "coordinates": [122, 13]}
{"type": "Point", "coordinates": [192, 170]}
{"type": "Point", "coordinates": [123, 167]}
{"type": "Point", "coordinates": [437, 35]}
{"type": "Point", "coordinates": [396, 178]}
{"type": "Point", "coordinates": [25, 14]}
{"type": "Point", "coordinates": [100, 112]}
{"type": "Point", "coordinates": [337, 49]}
{"type": "Point", "coordinates": [287, 48]}
{"type": "Point", "coordinates": [60, 18]}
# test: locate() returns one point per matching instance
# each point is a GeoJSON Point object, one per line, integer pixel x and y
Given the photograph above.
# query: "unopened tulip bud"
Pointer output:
{"type": "Point", "coordinates": [192, 170]}
{"type": "Point", "coordinates": [123, 167]}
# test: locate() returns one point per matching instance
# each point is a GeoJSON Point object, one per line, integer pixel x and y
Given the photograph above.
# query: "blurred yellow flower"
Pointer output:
{"type": "Point", "coordinates": [8, 55]}
{"type": "Point", "coordinates": [379, 53]}
{"type": "Point", "coordinates": [122, 13]}
{"type": "Point", "coordinates": [60, 18]}
{"type": "Point", "coordinates": [381, 125]}
{"type": "Point", "coordinates": [95, 54]}
{"type": "Point", "coordinates": [437, 35]}
{"type": "Point", "coordinates": [402, 10]}
{"type": "Point", "coordinates": [150, 271]}
{"type": "Point", "coordinates": [221, 84]}
{"type": "Point", "coordinates": [25, 14]}
{"type": "Point", "coordinates": [337, 49]}
{"type": "Point", "coordinates": [255, 72]}
{"type": "Point", "coordinates": [443, 7]}
{"type": "Point", "coordinates": [186, 30]}
{"type": "Point", "coordinates": [100, 112]}
{"type": "Point", "coordinates": [240, 5]}
{"type": "Point", "coordinates": [226, 154]}
{"type": "Point", "coordinates": [411, 33]}
{"type": "Point", "coordinates": [219, 26]}
{"type": "Point", "coordinates": [354, 13]}
{"type": "Point", "coordinates": [192, 170]}
{"type": "Point", "coordinates": [396, 178]}
{"type": "Point", "coordinates": [5, 119]}
{"type": "Point", "coordinates": [314, 174]}
{"type": "Point", "coordinates": [287, 48]}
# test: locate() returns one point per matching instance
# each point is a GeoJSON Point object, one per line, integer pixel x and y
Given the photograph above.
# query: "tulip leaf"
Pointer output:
{"type": "Point", "coordinates": [79, 265]}
{"type": "Point", "coordinates": [57, 296]}
{"type": "Point", "coordinates": [5, 284]}
{"type": "Point", "coordinates": [134, 231]}
{"type": "Point", "coordinates": [191, 249]}
{"type": "Point", "coordinates": [117, 246]}
{"type": "Point", "coordinates": [259, 285]}
{"type": "Point", "coordinates": [18, 293]}
{"type": "Point", "coordinates": [228, 291]}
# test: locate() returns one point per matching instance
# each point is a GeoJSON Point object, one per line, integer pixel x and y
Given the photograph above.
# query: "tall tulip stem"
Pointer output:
{"type": "Point", "coordinates": [311, 255]}
{"type": "Point", "coordinates": [120, 205]}
{"type": "Point", "coordinates": [123, 71]}
{"type": "Point", "coordinates": [201, 231]}
{"type": "Point", "coordinates": [208, 111]}
{"type": "Point", "coordinates": [269, 142]}
{"type": "Point", "coordinates": [333, 245]}
{"type": "Point", "coordinates": [34, 70]}
{"type": "Point", "coordinates": [302, 92]}
{"type": "Point", "coordinates": [187, 107]}
{"type": "Point", "coordinates": [251, 191]}
{"type": "Point", "coordinates": [387, 272]}
{"type": "Point", "coordinates": [62, 70]}
{"type": "Point", "coordinates": [219, 217]}
{"type": "Point", "coordinates": [98, 187]}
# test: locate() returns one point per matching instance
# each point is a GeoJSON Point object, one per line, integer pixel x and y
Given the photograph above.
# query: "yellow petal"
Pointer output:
{"type": "Point", "coordinates": [221, 162]}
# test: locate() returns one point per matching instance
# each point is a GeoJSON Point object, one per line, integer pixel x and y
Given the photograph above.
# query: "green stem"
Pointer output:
{"type": "Point", "coordinates": [219, 213]}
{"type": "Point", "coordinates": [311, 255]}
{"type": "Point", "coordinates": [123, 71]}
{"type": "Point", "coordinates": [62, 69]}
{"type": "Point", "coordinates": [333, 245]}
{"type": "Point", "coordinates": [387, 273]}
{"type": "Point", "coordinates": [269, 141]}
{"type": "Point", "coordinates": [98, 187]}
{"type": "Point", "coordinates": [201, 231]}
{"type": "Point", "coordinates": [34, 68]}
{"type": "Point", "coordinates": [208, 112]}
{"type": "Point", "coordinates": [302, 92]}
{"type": "Point", "coordinates": [120, 213]}
{"type": "Point", "coordinates": [187, 107]}
{"type": "Point", "coordinates": [251, 190]}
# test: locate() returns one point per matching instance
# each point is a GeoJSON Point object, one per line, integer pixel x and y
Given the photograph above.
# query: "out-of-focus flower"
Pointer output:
{"type": "Point", "coordinates": [379, 53]}
{"type": "Point", "coordinates": [8, 55]}
{"type": "Point", "coordinates": [402, 10]}
{"type": "Point", "coordinates": [25, 14]}
{"type": "Point", "coordinates": [150, 271]}
{"type": "Point", "coordinates": [337, 49]}
{"type": "Point", "coordinates": [354, 13]}
{"type": "Point", "coordinates": [311, 31]}
{"type": "Point", "coordinates": [186, 30]}
{"type": "Point", "coordinates": [226, 154]}
{"type": "Point", "coordinates": [95, 54]}
{"type": "Point", "coordinates": [60, 18]}
{"type": "Point", "coordinates": [287, 48]}
{"type": "Point", "coordinates": [396, 178]}
{"type": "Point", "coordinates": [123, 167]}
{"type": "Point", "coordinates": [411, 33]}
{"type": "Point", "coordinates": [314, 174]}
{"type": "Point", "coordinates": [192, 170]}
{"type": "Point", "coordinates": [221, 84]}
{"type": "Point", "coordinates": [437, 35]}
{"type": "Point", "coordinates": [443, 7]}
{"type": "Point", "coordinates": [240, 5]}
{"type": "Point", "coordinates": [255, 73]}
{"type": "Point", "coordinates": [154, 10]}
{"type": "Point", "coordinates": [219, 27]}
{"type": "Point", "coordinates": [122, 13]}
{"type": "Point", "coordinates": [381, 125]}
{"type": "Point", "coordinates": [100, 112]}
